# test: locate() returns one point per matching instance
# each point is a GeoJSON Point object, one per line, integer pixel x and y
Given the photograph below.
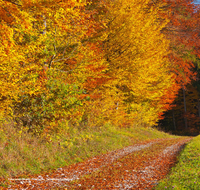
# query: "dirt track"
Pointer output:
{"type": "Point", "coordinates": [140, 166]}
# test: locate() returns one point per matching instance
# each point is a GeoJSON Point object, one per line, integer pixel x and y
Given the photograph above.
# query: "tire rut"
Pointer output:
{"type": "Point", "coordinates": [63, 177]}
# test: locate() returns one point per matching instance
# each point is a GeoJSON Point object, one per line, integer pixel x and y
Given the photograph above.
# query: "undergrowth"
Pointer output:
{"type": "Point", "coordinates": [186, 174]}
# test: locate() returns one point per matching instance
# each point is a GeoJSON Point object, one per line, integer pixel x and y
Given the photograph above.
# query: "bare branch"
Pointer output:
{"type": "Point", "coordinates": [13, 2]}
{"type": "Point", "coordinates": [52, 58]}
{"type": "Point", "coordinates": [64, 59]}
{"type": "Point", "coordinates": [69, 70]}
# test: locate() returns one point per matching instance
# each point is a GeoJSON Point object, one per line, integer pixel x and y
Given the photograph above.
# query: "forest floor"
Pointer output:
{"type": "Point", "coordinates": [139, 166]}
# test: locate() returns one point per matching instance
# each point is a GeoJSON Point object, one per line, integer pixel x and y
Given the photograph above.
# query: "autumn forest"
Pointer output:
{"type": "Point", "coordinates": [90, 62]}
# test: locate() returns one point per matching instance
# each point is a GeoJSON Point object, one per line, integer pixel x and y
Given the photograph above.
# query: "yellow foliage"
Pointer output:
{"type": "Point", "coordinates": [136, 53]}
{"type": "Point", "coordinates": [53, 51]}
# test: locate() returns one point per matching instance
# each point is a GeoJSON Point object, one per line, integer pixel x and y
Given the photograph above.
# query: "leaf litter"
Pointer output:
{"type": "Point", "coordinates": [139, 166]}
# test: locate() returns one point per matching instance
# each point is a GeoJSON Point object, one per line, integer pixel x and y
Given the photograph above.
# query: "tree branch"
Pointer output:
{"type": "Point", "coordinates": [13, 2]}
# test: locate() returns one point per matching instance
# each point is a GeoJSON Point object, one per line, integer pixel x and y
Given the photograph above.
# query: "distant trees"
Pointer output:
{"type": "Point", "coordinates": [183, 32]}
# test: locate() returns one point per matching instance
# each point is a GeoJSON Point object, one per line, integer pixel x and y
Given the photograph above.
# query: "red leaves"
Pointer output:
{"type": "Point", "coordinates": [182, 32]}
{"type": "Point", "coordinates": [136, 171]}
{"type": "Point", "coordinates": [119, 169]}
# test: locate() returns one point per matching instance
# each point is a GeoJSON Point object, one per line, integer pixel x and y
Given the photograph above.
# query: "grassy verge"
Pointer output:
{"type": "Point", "coordinates": [186, 174]}
{"type": "Point", "coordinates": [22, 153]}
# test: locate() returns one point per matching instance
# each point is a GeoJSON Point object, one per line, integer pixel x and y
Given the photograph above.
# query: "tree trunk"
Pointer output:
{"type": "Point", "coordinates": [117, 105]}
{"type": "Point", "coordinates": [185, 109]}
{"type": "Point", "coordinates": [45, 25]}
{"type": "Point", "coordinates": [199, 107]}
{"type": "Point", "coordinates": [174, 120]}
